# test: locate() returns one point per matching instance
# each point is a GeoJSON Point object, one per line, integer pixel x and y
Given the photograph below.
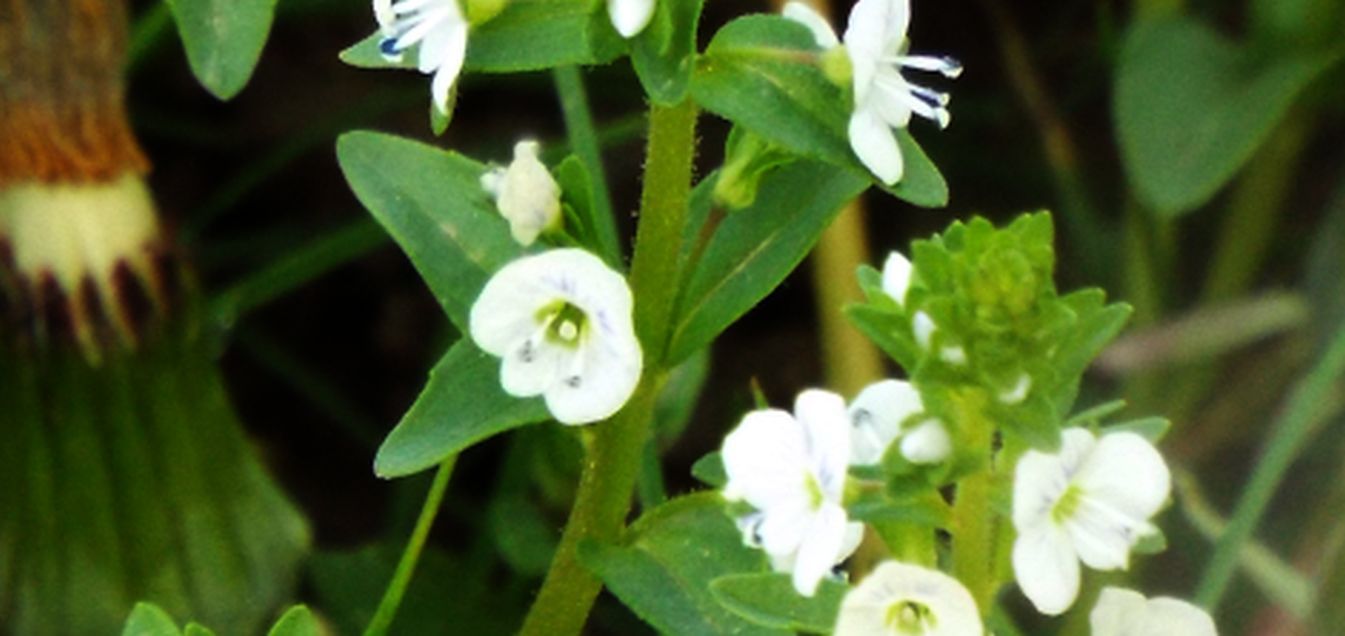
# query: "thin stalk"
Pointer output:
{"type": "Point", "coordinates": [406, 567]}
{"type": "Point", "coordinates": [584, 142]}
{"type": "Point", "coordinates": [1300, 416]}
{"type": "Point", "coordinates": [974, 530]}
{"type": "Point", "coordinates": [615, 447]}
{"type": "Point", "coordinates": [849, 359]}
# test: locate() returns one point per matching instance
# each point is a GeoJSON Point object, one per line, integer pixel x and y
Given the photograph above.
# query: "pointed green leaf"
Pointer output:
{"type": "Point", "coordinates": [664, 61]}
{"type": "Point", "coordinates": [769, 599]}
{"type": "Point", "coordinates": [709, 469]}
{"type": "Point", "coordinates": [224, 39]}
{"type": "Point", "coordinates": [432, 203]}
{"type": "Point", "coordinates": [197, 629]}
{"type": "Point", "coordinates": [1192, 107]}
{"type": "Point", "coordinates": [663, 567]}
{"type": "Point", "coordinates": [148, 620]}
{"type": "Point", "coordinates": [462, 404]}
{"type": "Point", "coordinates": [762, 72]}
{"type": "Point", "coordinates": [755, 248]}
{"type": "Point", "coordinates": [296, 621]}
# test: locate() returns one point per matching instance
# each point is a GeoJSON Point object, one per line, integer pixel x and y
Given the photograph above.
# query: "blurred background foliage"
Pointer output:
{"type": "Point", "coordinates": [1194, 154]}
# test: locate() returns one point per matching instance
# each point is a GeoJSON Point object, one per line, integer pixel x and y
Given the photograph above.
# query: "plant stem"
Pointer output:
{"type": "Point", "coordinates": [401, 578]}
{"type": "Point", "coordinates": [1297, 421]}
{"type": "Point", "coordinates": [584, 142]}
{"type": "Point", "coordinates": [616, 446]}
{"type": "Point", "coordinates": [974, 529]}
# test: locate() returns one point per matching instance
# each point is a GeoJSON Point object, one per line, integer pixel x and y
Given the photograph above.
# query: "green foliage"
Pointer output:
{"type": "Point", "coordinates": [224, 40]}
{"type": "Point", "coordinates": [769, 599]}
{"type": "Point", "coordinates": [762, 73]}
{"type": "Point", "coordinates": [664, 54]}
{"type": "Point", "coordinates": [461, 405]}
{"type": "Point", "coordinates": [663, 566]}
{"type": "Point", "coordinates": [557, 33]}
{"type": "Point", "coordinates": [581, 213]}
{"type": "Point", "coordinates": [147, 619]}
{"type": "Point", "coordinates": [1192, 107]}
{"type": "Point", "coordinates": [1005, 346]}
{"type": "Point", "coordinates": [756, 248]}
{"type": "Point", "coordinates": [432, 203]}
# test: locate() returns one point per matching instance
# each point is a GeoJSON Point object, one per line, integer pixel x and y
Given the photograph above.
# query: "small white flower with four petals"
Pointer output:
{"type": "Point", "coordinates": [1090, 502]}
{"type": "Point", "coordinates": [561, 321]}
{"type": "Point", "coordinates": [899, 598]}
{"type": "Point", "coordinates": [792, 469]}
{"type": "Point", "coordinates": [1121, 612]}
{"type": "Point", "coordinates": [525, 194]}
{"type": "Point", "coordinates": [875, 42]}
{"type": "Point", "coordinates": [438, 26]}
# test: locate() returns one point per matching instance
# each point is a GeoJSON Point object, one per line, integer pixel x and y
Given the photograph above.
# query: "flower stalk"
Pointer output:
{"type": "Point", "coordinates": [614, 447]}
{"type": "Point", "coordinates": [974, 525]}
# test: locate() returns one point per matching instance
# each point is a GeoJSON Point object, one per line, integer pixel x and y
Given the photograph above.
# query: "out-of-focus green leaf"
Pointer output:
{"type": "Point", "coordinates": [664, 60]}
{"type": "Point", "coordinates": [663, 567]}
{"type": "Point", "coordinates": [224, 39]}
{"type": "Point", "coordinates": [461, 405]}
{"type": "Point", "coordinates": [762, 72]}
{"type": "Point", "coordinates": [197, 629]}
{"type": "Point", "coordinates": [148, 620]}
{"type": "Point", "coordinates": [1192, 107]}
{"type": "Point", "coordinates": [757, 247]}
{"type": "Point", "coordinates": [769, 599]}
{"type": "Point", "coordinates": [433, 205]}
{"type": "Point", "coordinates": [556, 33]}
{"type": "Point", "coordinates": [296, 621]}
{"type": "Point", "coordinates": [1153, 429]}
{"type": "Point", "coordinates": [710, 470]}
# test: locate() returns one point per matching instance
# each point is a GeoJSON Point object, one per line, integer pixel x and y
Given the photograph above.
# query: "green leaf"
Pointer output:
{"type": "Point", "coordinates": [296, 621]}
{"type": "Point", "coordinates": [709, 469]}
{"type": "Point", "coordinates": [762, 72]}
{"type": "Point", "coordinates": [148, 620]}
{"type": "Point", "coordinates": [1192, 107]}
{"type": "Point", "coordinates": [462, 404]}
{"type": "Point", "coordinates": [663, 568]}
{"type": "Point", "coordinates": [1151, 543]}
{"type": "Point", "coordinates": [197, 629]}
{"type": "Point", "coordinates": [769, 599]}
{"type": "Point", "coordinates": [664, 54]}
{"type": "Point", "coordinates": [755, 248]}
{"type": "Point", "coordinates": [581, 212]}
{"type": "Point", "coordinates": [432, 203]}
{"type": "Point", "coordinates": [1150, 428]}
{"type": "Point", "coordinates": [224, 40]}
{"type": "Point", "coordinates": [556, 33]}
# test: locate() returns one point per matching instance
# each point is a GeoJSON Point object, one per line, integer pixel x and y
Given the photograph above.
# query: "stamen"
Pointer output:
{"type": "Point", "coordinates": [568, 330]}
{"type": "Point", "coordinates": [945, 65]}
{"type": "Point", "coordinates": [935, 98]}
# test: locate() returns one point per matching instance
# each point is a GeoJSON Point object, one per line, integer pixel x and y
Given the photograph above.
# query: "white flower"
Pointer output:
{"type": "Point", "coordinates": [897, 273]}
{"type": "Point", "coordinates": [792, 470]}
{"type": "Point", "coordinates": [440, 29]}
{"type": "Point", "coordinates": [898, 598]}
{"type": "Point", "coordinates": [525, 194]}
{"type": "Point", "coordinates": [561, 321]}
{"type": "Point", "coordinates": [876, 416]}
{"type": "Point", "coordinates": [1121, 612]}
{"type": "Point", "coordinates": [1091, 502]}
{"type": "Point", "coordinates": [630, 17]}
{"type": "Point", "coordinates": [875, 40]}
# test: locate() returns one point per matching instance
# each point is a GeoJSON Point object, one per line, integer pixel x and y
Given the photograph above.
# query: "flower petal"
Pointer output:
{"type": "Point", "coordinates": [817, 553]}
{"type": "Point", "coordinates": [876, 415]}
{"type": "Point", "coordinates": [1102, 537]}
{"type": "Point", "coordinates": [809, 17]}
{"type": "Point", "coordinates": [630, 17]}
{"type": "Point", "coordinates": [764, 460]}
{"type": "Point", "coordinates": [1118, 612]}
{"type": "Point", "coordinates": [1047, 570]}
{"type": "Point", "coordinates": [1039, 481]}
{"type": "Point", "coordinates": [868, 607]}
{"type": "Point", "coordinates": [505, 312]}
{"type": "Point", "coordinates": [454, 52]}
{"type": "Point", "coordinates": [876, 29]}
{"type": "Point", "coordinates": [1172, 617]}
{"type": "Point", "coordinates": [1121, 612]}
{"type": "Point", "coordinates": [826, 429]}
{"type": "Point", "coordinates": [533, 367]}
{"type": "Point", "coordinates": [1126, 473]}
{"type": "Point", "coordinates": [874, 144]}
{"type": "Point", "coordinates": [601, 384]}
{"type": "Point", "coordinates": [927, 443]}
{"type": "Point", "coordinates": [897, 273]}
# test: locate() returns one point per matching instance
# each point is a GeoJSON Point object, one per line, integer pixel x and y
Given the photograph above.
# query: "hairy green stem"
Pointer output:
{"type": "Point", "coordinates": [615, 447]}
{"type": "Point", "coordinates": [1291, 430]}
{"type": "Point", "coordinates": [401, 578]}
{"type": "Point", "coordinates": [584, 142]}
{"type": "Point", "coordinates": [975, 525]}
